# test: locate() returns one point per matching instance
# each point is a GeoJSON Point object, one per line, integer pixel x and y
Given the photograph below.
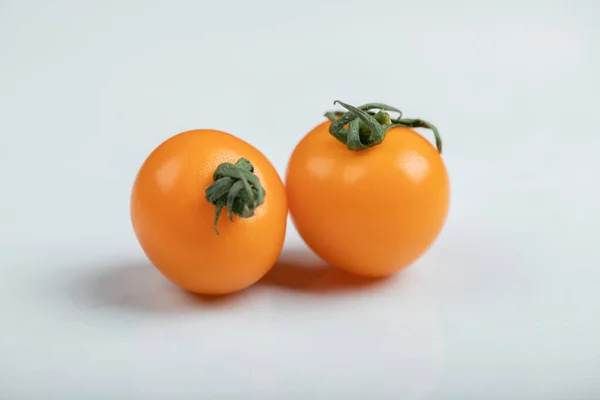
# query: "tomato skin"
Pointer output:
{"type": "Point", "coordinates": [370, 212]}
{"type": "Point", "coordinates": [173, 221]}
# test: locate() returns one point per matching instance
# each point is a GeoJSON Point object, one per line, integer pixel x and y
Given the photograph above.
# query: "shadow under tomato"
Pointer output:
{"type": "Point", "coordinates": [298, 269]}
{"type": "Point", "coordinates": [136, 286]}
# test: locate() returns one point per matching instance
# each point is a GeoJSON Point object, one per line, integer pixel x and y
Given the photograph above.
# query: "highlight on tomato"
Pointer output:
{"type": "Point", "coordinates": [209, 211]}
{"type": "Point", "coordinates": [366, 192]}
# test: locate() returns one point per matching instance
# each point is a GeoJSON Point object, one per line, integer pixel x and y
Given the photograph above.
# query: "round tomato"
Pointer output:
{"type": "Point", "coordinates": [366, 192]}
{"type": "Point", "coordinates": [176, 205]}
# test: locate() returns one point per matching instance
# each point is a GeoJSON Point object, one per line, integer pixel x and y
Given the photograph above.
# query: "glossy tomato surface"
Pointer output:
{"type": "Point", "coordinates": [173, 221]}
{"type": "Point", "coordinates": [370, 212]}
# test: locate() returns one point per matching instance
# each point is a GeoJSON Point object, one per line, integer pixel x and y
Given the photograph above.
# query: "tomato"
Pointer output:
{"type": "Point", "coordinates": [367, 193]}
{"type": "Point", "coordinates": [176, 205]}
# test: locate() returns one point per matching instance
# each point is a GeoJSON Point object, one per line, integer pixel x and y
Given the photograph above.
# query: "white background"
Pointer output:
{"type": "Point", "coordinates": [506, 304]}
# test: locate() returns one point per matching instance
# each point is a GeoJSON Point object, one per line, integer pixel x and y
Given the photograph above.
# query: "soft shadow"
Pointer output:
{"type": "Point", "coordinates": [299, 269]}
{"type": "Point", "coordinates": [136, 286]}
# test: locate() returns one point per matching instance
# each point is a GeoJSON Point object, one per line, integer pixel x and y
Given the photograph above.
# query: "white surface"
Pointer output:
{"type": "Point", "coordinates": [504, 306]}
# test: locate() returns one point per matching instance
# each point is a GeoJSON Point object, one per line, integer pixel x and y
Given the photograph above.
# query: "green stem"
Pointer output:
{"type": "Point", "coordinates": [367, 128]}
{"type": "Point", "coordinates": [236, 188]}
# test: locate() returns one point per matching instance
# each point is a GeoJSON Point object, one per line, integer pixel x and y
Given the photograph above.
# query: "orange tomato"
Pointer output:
{"type": "Point", "coordinates": [175, 223]}
{"type": "Point", "coordinates": [372, 211]}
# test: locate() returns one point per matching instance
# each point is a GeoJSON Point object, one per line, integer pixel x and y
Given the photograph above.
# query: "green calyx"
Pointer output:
{"type": "Point", "coordinates": [368, 124]}
{"type": "Point", "coordinates": [236, 187]}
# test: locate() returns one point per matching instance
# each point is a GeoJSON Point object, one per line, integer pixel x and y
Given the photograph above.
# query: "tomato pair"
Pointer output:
{"type": "Point", "coordinates": [367, 193]}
